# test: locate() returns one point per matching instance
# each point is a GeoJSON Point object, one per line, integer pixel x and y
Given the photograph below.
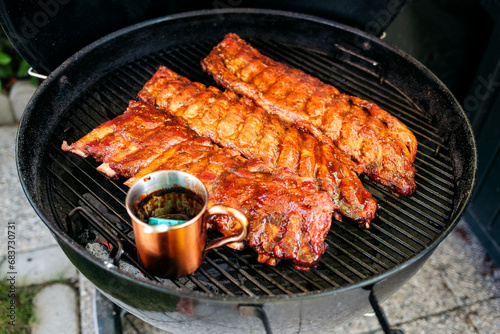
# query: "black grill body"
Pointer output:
{"type": "Point", "coordinates": [80, 205]}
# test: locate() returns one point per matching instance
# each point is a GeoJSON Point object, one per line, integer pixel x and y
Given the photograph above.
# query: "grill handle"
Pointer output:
{"type": "Point", "coordinates": [99, 227]}
{"type": "Point", "coordinates": [254, 310]}
{"type": "Point", "coordinates": [35, 74]}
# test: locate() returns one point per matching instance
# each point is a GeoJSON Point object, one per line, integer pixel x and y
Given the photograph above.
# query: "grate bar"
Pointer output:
{"type": "Point", "coordinates": [343, 263]}
{"type": "Point", "coordinates": [355, 258]}
{"type": "Point", "coordinates": [336, 271]}
{"type": "Point", "coordinates": [376, 226]}
{"type": "Point", "coordinates": [368, 243]}
{"type": "Point", "coordinates": [133, 80]}
{"type": "Point", "coordinates": [121, 78]}
{"type": "Point", "coordinates": [84, 125]}
{"type": "Point", "coordinates": [326, 278]}
{"type": "Point", "coordinates": [100, 187]}
{"type": "Point", "coordinates": [442, 165]}
{"type": "Point", "coordinates": [288, 279]}
{"type": "Point", "coordinates": [438, 210]}
{"type": "Point", "coordinates": [185, 63]}
{"type": "Point", "coordinates": [262, 274]}
{"type": "Point", "coordinates": [90, 123]}
{"type": "Point", "coordinates": [103, 104]}
{"type": "Point", "coordinates": [306, 278]}
{"type": "Point", "coordinates": [432, 183]}
{"type": "Point", "coordinates": [435, 185]}
{"type": "Point", "coordinates": [118, 231]}
{"type": "Point", "coordinates": [105, 92]}
{"type": "Point", "coordinates": [229, 277]}
{"type": "Point", "coordinates": [384, 242]}
{"type": "Point", "coordinates": [243, 272]}
{"type": "Point", "coordinates": [437, 205]}
{"type": "Point", "coordinates": [407, 224]}
{"type": "Point", "coordinates": [408, 204]}
{"type": "Point", "coordinates": [214, 281]}
{"type": "Point", "coordinates": [359, 249]}
{"type": "Point", "coordinates": [93, 194]}
{"type": "Point", "coordinates": [199, 284]}
{"type": "Point", "coordinates": [139, 70]}
{"type": "Point", "coordinates": [145, 64]}
{"type": "Point", "coordinates": [112, 87]}
{"type": "Point", "coordinates": [413, 218]}
{"type": "Point", "coordinates": [422, 163]}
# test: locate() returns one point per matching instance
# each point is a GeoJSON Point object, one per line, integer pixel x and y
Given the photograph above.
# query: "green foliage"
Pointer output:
{"type": "Point", "coordinates": [24, 313]}
{"type": "Point", "coordinates": [11, 63]}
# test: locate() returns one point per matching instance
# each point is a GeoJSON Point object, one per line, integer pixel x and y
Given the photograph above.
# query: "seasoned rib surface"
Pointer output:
{"type": "Point", "coordinates": [131, 141]}
{"type": "Point", "coordinates": [289, 217]}
{"type": "Point", "coordinates": [381, 145]}
{"type": "Point", "coordinates": [239, 124]}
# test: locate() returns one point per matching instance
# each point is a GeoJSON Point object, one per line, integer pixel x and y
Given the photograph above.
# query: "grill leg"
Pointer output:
{"type": "Point", "coordinates": [382, 319]}
{"type": "Point", "coordinates": [107, 315]}
{"type": "Point", "coordinates": [256, 311]}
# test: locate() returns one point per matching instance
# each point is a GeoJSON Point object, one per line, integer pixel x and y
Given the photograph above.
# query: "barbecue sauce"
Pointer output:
{"type": "Point", "coordinates": [175, 203]}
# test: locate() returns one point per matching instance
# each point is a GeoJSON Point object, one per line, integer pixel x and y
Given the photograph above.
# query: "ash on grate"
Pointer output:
{"type": "Point", "coordinates": [101, 251]}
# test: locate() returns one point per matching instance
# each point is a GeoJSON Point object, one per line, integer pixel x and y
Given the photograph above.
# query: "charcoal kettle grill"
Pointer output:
{"type": "Point", "coordinates": [231, 291]}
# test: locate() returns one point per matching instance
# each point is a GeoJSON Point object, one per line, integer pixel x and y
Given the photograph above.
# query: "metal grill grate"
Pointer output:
{"type": "Point", "coordinates": [88, 204]}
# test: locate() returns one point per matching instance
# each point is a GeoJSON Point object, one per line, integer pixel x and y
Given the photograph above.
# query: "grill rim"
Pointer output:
{"type": "Point", "coordinates": [59, 76]}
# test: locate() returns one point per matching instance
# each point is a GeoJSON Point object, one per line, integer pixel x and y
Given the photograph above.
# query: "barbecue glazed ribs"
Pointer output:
{"type": "Point", "coordinates": [131, 141]}
{"type": "Point", "coordinates": [382, 146]}
{"type": "Point", "coordinates": [237, 123]}
{"type": "Point", "coordinates": [288, 217]}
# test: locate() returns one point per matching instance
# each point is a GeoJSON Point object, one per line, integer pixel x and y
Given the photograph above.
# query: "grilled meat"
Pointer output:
{"type": "Point", "coordinates": [288, 217]}
{"type": "Point", "coordinates": [381, 145]}
{"type": "Point", "coordinates": [237, 123]}
{"type": "Point", "coordinates": [131, 141]}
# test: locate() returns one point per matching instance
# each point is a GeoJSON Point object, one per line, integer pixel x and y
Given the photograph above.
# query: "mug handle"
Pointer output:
{"type": "Point", "coordinates": [225, 210]}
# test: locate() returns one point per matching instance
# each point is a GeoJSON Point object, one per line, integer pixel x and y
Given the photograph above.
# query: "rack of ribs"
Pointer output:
{"type": "Point", "coordinates": [237, 123]}
{"type": "Point", "coordinates": [288, 216]}
{"type": "Point", "coordinates": [382, 147]}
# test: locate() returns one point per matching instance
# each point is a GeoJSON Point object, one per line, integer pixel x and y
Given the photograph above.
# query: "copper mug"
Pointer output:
{"type": "Point", "coordinates": [173, 251]}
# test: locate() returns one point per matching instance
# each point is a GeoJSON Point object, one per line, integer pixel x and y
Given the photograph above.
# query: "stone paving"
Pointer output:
{"type": "Point", "coordinates": [63, 314]}
{"type": "Point", "coordinates": [456, 291]}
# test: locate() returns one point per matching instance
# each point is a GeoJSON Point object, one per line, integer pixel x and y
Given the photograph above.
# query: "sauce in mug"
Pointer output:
{"type": "Point", "coordinates": [174, 203]}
